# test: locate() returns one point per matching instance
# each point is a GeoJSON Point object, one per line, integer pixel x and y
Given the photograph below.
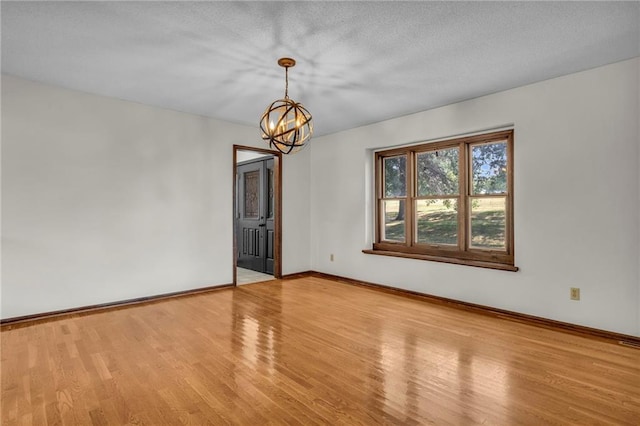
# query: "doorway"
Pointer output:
{"type": "Point", "coordinates": [257, 215]}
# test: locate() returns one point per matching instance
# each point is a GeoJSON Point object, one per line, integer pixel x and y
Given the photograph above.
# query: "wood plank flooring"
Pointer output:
{"type": "Point", "coordinates": [310, 351]}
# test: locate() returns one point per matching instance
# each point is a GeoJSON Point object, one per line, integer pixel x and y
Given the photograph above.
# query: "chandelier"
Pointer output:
{"type": "Point", "coordinates": [285, 123]}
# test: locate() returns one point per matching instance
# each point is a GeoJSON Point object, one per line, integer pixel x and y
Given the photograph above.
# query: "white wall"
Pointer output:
{"type": "Point", "coordinates": [576, 200]}
{"type": "Point", "coordinates": [106, 200]}
{"type": "Point", "coordinates": [242, 156]}
{"type": "Point", "coordinates": [637, 106]}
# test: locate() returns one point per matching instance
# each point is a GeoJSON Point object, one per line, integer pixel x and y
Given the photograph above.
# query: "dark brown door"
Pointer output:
{"type": "Point", "coordinates": [255, 214]}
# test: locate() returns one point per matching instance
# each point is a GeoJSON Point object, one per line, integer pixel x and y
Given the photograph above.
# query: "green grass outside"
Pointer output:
{"type": "Point", "coordinates": [438, 224]}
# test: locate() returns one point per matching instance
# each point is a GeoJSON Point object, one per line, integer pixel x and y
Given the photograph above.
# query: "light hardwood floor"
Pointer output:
{"type": "Point", "coordinates": [310, 351]}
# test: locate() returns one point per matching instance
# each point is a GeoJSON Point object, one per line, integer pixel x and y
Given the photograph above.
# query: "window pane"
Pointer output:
{"type": "Point", "coordinates": [489, 168]}
{"type": "Point", "coordinates": [438, 172]}
{"type": "Point", "coordinates": [251, 194]}
{"type": "Point", "coordinates": [395, 177]}
{"type": "Point", "coordinates": [394, 211]}
{"type": "Point", "coordinates": [488, 223]}
{"type": "Point", "coordinates": [437, 221]}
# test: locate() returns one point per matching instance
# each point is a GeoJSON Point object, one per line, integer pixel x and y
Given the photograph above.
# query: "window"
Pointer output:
{"type": "Point", "coordinates": [449, 201]}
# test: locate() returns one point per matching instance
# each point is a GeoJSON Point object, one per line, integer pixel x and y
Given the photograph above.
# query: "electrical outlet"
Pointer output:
{"type": "Point", "coordinates": [574, 294]}
{"type": "Point", "coordinates": [331, 257]}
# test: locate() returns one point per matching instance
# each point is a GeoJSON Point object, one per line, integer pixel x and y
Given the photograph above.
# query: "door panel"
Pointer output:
{"type": "Point", "coordinates": [250, 217]}
{"type": "Point", "coordinates": [255, 215]}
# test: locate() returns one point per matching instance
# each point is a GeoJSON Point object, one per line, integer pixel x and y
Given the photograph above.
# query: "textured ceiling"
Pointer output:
{"type": "Point", "coordinates": [358, 62]}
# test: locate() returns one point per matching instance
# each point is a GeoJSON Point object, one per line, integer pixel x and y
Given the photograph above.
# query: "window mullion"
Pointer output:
{"type": "Point", "coordinates": [379, 194]}
{"type": "Point", "coordinates": [463, 201]}
{"type": "Point", "coordinates": [410, 207]}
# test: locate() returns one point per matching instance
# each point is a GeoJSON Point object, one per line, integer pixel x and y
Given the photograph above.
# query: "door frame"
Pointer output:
{"type": "Point", "coordinates": [277, 204]}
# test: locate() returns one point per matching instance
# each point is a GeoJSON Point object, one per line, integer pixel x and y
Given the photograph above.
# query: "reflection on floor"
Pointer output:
{"type": "Point", "coordinates": [247, 276]}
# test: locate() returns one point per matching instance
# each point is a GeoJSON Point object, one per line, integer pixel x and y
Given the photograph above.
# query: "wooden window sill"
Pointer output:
{"type": "Point", "coordinates": [477, 263]}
